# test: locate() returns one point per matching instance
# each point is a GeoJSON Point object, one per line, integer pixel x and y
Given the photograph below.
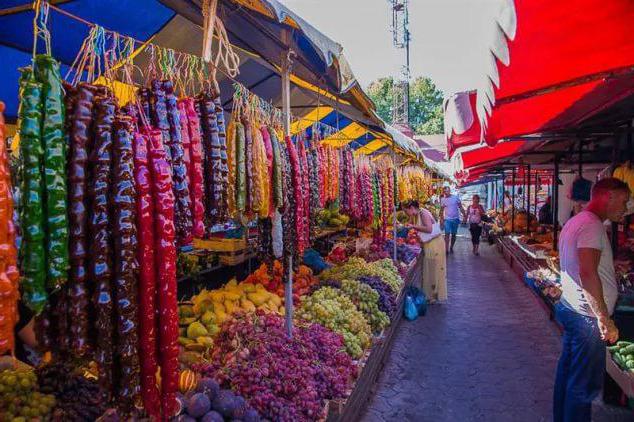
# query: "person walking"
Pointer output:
{"type": "Point", "coordinates": [434, 283]}
{"type": "Point", "coordinates": [589, 295]}
{"type": "Point", "coordinates": [475, 214]}
{"type": "Point", "coordinates": [450, 217]}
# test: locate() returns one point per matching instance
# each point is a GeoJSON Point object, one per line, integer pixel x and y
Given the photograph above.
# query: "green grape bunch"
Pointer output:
{"type": "Point", "coordinates": [367, 301]}
{"type": "Point", "coordinates": [332, 309]}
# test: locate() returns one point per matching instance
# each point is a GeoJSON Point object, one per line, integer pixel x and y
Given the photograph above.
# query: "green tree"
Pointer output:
{"type": "Point", "coordinates": [425, 99]}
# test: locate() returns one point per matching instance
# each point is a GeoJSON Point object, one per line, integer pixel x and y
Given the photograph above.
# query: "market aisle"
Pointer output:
{"type": "Point", "coordinates": [489, 354]}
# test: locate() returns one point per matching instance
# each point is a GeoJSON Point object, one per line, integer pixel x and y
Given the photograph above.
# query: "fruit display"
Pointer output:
{"type": "Point", "coordinates": [332, 218]}
{"type": "Point", "coordinates": [404, 253]}
{"type": "Point", "coordinates": [331, 308]}
{"type": "Point", "coordinates": [201, 320]}
{"type": "Point", "coordinates": [366, 300]}
{"type": "Point", "coordinates": [20, 399]}
{"type": "Point", "coordinates": [387, 298]}
{"type": "Point", "coordinates": [207, 402]}
{"type": "Point", "coordinates": [357, 267]}
{"type": "Point", "coordinates": [303, 280]}
{"type": "Point", "coordinates": [283, 379]}
{"type": "Point", "coordinates": [623, 355]}
{"type": "Point", "coordinates": [78, 398]}
{"type": "Point", "coordinates": [337, 255]}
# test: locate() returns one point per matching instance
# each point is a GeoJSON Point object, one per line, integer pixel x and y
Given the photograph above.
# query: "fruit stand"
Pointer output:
{"type": "Point", "coordinates": [353, 406]}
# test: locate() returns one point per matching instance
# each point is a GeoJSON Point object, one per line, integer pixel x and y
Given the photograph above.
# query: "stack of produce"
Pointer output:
{"type": "Point", "coordinates": [200, 320]}
{"type": "Point", "coordinates": [9, 293]}
{"type": "Point", "coordinates": [78, 398]}
{"type": "Point", "coordinates": [357, 267]}
{"type": "Point", "coordinates": [366, 299]}
{"type": "Point", "coordinates": [20, 398]}
{"type": "Point", "coordinates": [623, 355]}
{"type": "Point", "coordinates": [331, 308]}
{"type": "Point", "coordinates": [332, 218]}
{"type": "Point", "coordinates": [283, 379]}
{"type": "Point", "coordinates": [337, 255]}
{"type": "Point", "coordinates": [387, 298]}
{"type": "Point", "coordinates": [273, 280]}
{"type": "Point", "coordinates": [207, 402]}
{"type": "Point", "coordinates": [404, 253]}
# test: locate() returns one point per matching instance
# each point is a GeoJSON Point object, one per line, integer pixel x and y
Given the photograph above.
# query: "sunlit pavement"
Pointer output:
{"type": "Point", "coordinates": [489, 354]}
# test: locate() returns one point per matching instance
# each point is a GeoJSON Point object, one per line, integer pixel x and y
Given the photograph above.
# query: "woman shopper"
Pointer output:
{"type": "Point", "coordinates": [475, 213]}
{"type": "Point", "coordinates": [434, 283]}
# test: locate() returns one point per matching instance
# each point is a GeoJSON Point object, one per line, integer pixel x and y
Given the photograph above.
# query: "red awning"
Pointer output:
{"type": "Point", "coordinates": [462, 127]}
{"type": "Point", "coordinates": [568, 60]}
{"type": "Point", "coordinates": [555, 64]}
{"type": "Point", "coordinates": [486, 156]}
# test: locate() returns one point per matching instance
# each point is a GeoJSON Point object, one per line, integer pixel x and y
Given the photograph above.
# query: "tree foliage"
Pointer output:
{"type": "Point", "coordinates": [426, 115]}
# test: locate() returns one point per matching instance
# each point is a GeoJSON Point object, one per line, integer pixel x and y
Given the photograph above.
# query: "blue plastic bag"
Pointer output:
{"type": "Point", "coordinates": [409, 310]}
{"type": "Point", "coordinates": [420, 300]}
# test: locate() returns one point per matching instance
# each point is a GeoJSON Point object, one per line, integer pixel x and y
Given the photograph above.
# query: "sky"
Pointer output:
{"type": "Point", "coordinates": [449, 37]}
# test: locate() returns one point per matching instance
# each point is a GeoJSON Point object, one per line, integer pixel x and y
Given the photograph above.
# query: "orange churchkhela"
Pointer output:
{"type": "Point", "coordinates": [9, 275]}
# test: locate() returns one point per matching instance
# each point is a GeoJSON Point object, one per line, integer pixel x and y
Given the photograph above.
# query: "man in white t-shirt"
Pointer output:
{"type": "Point", "coordinates": [589, 295]}
{"type": "Point", "coordinates": [450, 217]}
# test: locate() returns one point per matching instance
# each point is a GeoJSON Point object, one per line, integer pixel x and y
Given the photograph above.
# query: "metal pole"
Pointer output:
{"type": "Point", "coordinates": [394, 220]}
{"type": "Point", "coordinates": [528, 199]}
{"type": "Point", "coordinates": [513, 202]}
{"type": "Point", "coordinates": [286, 114]}
{"type": "Point", "coordinates": [503, 193]}
{"type": "Point", "coordinates": [555, 202]}
{"type": "Point", "coordinates": [537, 186]}
{"type": "Point", "coordinates": [615, 160]}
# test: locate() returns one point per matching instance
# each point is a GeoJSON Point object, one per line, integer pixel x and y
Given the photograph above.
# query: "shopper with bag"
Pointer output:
{"type": "Point", "coordinates": [450, 217]}
{"type": "Point", "coordinates": [434, 283]}
{"type": "Point", "coordinates": [475, 216]}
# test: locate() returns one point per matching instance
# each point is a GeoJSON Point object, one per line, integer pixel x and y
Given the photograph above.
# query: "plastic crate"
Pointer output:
{"type": "Point", "coordinates": [220, 244]}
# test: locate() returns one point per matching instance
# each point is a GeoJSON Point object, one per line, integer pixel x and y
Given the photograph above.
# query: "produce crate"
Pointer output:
{"type": "Point", "coordinates": [624, 379]}
{"type": "Point", "coordinates": [233, 258]}
{"type": "Point", "coordinates": [219, 244]}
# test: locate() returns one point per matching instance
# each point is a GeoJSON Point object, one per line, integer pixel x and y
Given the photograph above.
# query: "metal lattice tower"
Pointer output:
{"type": "Point", "coordinates": [400, 39]}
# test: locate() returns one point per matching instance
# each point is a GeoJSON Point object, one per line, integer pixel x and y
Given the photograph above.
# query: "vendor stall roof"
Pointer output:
{"type": "Point", "coordinates": [320, 69]}
{"type": "Point", "coordinates": [552, 65]}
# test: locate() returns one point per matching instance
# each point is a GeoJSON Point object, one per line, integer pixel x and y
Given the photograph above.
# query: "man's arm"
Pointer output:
{"type": "Point", "coordinates": [593, 289]}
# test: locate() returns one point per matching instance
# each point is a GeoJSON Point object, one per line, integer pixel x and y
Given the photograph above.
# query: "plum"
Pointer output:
{"type": "Point", "coordinates": [208, 386]}
{"type": "Point", "coordinates": [225, 403]}
{"type": "Point", "coordinates": [212, 416]}
{"type": "Point", "coordinates": [198, 405]}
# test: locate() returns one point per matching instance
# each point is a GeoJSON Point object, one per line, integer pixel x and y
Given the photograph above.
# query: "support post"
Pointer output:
{"type": "Point", "coordinates": [528, 199]}
{"type": "Point", "coordinates": [394, 220]}
{"type": "Point", "coordinates": [537, 186]}
{"type": "Point", "coordinates": [513, 202]}
{"type": "Point", "coordinates": [286, 115]}
{"type": "Point", "coordinates": [503, 197]}
{"type": "Point", "coordinates": [614, 240]}
{"type": "Point", "coordinates": [555, 202]}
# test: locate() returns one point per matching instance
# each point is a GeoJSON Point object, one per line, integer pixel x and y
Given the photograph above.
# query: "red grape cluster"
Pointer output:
{"type": "Point", "coordinates": [283, 379]}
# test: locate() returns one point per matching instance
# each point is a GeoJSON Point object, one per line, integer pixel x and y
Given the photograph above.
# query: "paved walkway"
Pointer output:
{"type": "Point", "coordinates": [488, 355]}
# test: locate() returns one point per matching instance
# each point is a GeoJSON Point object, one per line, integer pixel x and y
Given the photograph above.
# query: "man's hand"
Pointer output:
{"type": "Point", "coordinates": [609, 332]}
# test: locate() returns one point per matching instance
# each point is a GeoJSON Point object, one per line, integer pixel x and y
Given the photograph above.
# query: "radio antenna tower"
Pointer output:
{"type": "Point", "coordinates": [400, 39]}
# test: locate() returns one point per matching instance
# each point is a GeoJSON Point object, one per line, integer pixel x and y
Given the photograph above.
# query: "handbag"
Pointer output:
{"type": "Point", "coordinates": [435, 232]}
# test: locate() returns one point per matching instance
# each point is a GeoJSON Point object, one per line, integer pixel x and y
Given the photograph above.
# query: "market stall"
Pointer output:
{"type": "Point", "coordinates": [190, 249]}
